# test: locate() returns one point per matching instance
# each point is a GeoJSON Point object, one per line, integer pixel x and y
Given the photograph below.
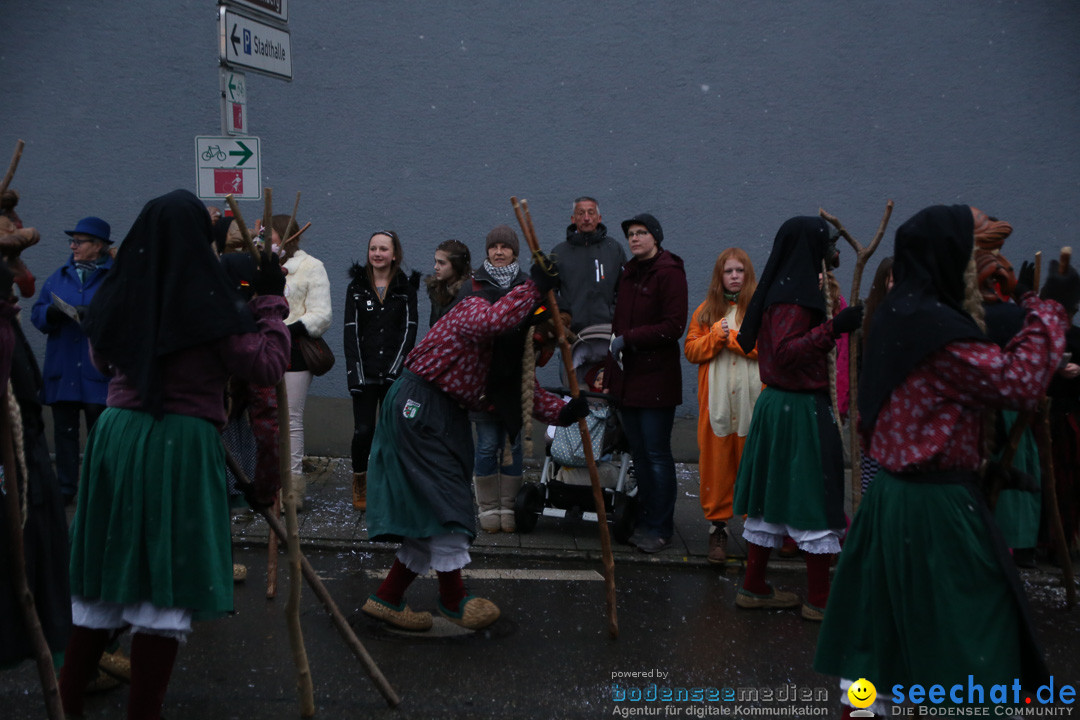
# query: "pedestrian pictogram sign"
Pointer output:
{"type": "Point", "coordinates": [228, 165]}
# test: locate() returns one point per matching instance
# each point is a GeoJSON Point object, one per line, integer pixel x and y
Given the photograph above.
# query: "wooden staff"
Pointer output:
{"type": "Point", "coordinates": [862, 255]}
{"type": "Point", "coordinates": [288, 226]}
{"type": "Point", "coordinates": [1050, 501]}
{"type": "Point", "coordinates": [283, 469]}
{"type": "Point", "coordinates": [292, 607]}
{"type": "Point", "coordinates": [384, 687]}
{"type": "Point", "coordinates": [521, 209]}
{"type": "Point", "coordinates": [16, 156]}
{"type": "Point", "coordinates": [13, 509]}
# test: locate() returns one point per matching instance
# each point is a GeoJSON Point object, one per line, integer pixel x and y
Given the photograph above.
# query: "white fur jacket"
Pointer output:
{"type": "Point", "coordinates": [307, 288]}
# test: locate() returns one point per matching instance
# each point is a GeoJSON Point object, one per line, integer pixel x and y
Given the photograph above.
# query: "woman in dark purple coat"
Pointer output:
{"type": "Point", "coordinates": [644, 372]}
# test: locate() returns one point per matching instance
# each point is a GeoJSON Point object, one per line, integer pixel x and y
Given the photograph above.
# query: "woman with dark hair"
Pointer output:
{"type": "Point", "coordinates": [151, 547]}
{"type": "Point", "coordinates": [643, 372]}
{"type": "Point", "coordinates": [380, 330]}
{"type": "Point", "coordinates": [925, 591]}
{"type": "Point", "coordinates": [453, 268]}
{"type": "Point", "coordinates": [728, 387]}
{"type": "Point", "coordinates": [791, 477]}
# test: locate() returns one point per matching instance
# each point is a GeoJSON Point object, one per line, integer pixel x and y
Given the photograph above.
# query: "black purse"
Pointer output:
{"type": "Point", "coordinates": [317, 354]}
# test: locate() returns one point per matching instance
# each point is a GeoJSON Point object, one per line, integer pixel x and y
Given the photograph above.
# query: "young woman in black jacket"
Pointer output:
{"type": "Point", "coordinates": [380, 330]}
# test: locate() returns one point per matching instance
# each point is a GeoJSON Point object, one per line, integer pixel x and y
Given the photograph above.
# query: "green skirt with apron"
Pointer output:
{"type": "Point", "coordinates": [152, 522]}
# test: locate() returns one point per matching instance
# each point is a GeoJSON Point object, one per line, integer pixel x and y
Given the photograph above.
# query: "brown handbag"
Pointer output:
{"type": "Point", "coordinates": [317, 354]}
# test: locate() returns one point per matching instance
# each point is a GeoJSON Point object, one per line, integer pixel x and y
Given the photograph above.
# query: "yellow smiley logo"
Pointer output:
{"type": "Point", "coordinates": [862, 693]}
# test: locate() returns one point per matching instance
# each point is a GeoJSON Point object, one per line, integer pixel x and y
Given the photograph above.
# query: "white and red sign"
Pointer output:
{"type": "Point", "coordinates": [228, 166]}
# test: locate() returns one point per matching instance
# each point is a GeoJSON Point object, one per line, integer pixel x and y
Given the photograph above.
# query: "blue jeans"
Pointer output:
{"type": "Point", "coordinates": [490, 439]}
{"type": "Point", "coordinates": [648, 430]}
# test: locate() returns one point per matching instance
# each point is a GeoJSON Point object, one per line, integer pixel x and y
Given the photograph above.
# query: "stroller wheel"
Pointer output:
{"type": "Point", "coordinates": [623, 517]}
{"type": "Point", "coordinates": [528, 505]}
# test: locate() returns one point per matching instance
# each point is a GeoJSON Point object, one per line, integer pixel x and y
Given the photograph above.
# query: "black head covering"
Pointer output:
{"type": "Point", "coordinates": [221, 232]}
{"type": "Point", "coordinates": [651, 224]}
{"type": "Point", "coordinates": [925, 309]}
{"type": "Point", "coordinates": [791, 274]}
{"type": "Point", "coordinates": [166, 292]}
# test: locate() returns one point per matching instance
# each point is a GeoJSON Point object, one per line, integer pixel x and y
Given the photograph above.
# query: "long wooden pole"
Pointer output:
{"type": "Point", "coordinates": [13, 509]}
{"type": "Point", "coordinates": [292, 606]}
{"type": "Point", "coordinates": [340, 622]}
{"type": "Point", "coordinates": [862, 255]}
{"type": "Point", "coordinates": [12, 166]}
{"type": "Point", "coordinates": [521, 209]}
{"type": "Point", "coordinates": [284, 464]}
{"type": "Point", "coordinates": [1050, 501]}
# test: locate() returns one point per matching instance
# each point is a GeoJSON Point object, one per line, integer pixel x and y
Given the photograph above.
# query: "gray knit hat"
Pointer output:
{"type": "Point", "coordinates": [503, 234]}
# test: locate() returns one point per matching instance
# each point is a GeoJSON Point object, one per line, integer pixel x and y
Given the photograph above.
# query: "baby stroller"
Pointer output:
{"type": "Point", "coordinates": [565, 487]}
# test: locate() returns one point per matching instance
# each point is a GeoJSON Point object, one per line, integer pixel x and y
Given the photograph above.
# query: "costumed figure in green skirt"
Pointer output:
{"type": "Point", "coordinates": [925, 592]}
{"type": "Point", "coordinates": [791, 475]}
{"type": "Point", "coordinates": [151, 547]}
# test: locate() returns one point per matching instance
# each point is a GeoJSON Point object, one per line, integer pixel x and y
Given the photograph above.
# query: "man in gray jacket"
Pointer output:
{"type": "Point", "coordinates": [589, 263]}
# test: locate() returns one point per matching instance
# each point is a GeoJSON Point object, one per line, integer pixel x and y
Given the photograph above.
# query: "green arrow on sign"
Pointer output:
{"type": "Point", "coordinates": [245, 154]}
{"type": "Point", "coordinates": [232, 88]}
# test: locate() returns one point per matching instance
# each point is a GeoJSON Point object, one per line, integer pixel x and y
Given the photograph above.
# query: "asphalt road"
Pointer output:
{"type": "Point", "coordinates": [549, 655]}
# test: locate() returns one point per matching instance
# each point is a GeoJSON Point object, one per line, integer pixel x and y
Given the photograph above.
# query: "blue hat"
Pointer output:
{"type": "Point", "coordinates": [93, 226]}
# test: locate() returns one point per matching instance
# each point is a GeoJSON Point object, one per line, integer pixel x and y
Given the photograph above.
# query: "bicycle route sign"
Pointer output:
{"type": "Point", "coordinates": [228, 165]}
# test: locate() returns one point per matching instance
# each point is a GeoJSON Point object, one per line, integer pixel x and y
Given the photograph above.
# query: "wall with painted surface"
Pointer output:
{"type": "Point", "coordinates": [722, 119]}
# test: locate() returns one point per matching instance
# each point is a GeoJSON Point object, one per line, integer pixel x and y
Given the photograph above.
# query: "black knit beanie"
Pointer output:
{"type": "Point", "coordinates": [651, 224]}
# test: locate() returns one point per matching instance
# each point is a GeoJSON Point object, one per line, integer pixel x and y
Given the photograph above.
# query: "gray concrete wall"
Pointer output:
{"type": "Point", "coordinates": [721, 118]}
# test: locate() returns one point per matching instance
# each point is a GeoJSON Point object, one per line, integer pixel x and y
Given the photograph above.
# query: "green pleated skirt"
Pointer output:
{"type": "Point", "coordinates": [1018, 512]}
{"type": "Point", "coordinates": [792, 471]}
{"type": "Point", "coordinates": [152, 522]}
{"type": "Point", "coordinates": [921, 594]}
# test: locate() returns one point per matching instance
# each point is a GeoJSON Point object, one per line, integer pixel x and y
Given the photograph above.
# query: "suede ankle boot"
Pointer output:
{"type": "Point", "coordinates": [359, 490]}
{"type": "Point", "coordinates": [487, 500]}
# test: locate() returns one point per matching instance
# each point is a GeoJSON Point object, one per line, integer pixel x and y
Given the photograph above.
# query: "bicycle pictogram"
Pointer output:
{"type": "Point", "coordinates": [214, 152]}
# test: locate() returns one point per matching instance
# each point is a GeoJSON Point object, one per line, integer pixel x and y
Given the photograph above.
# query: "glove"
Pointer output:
{"type": "Point", "coordinates": [543, 281]}
{"type": "Point", "coordinates": [297, 329]}
{"type": "Point", "coordinates": [54, 315]}
{"type": "Point", "coordinates": [269, 280]}
{"type": "Point", "coordinates": [847, 320]}
{"type": "Point", "coordinates": [618, 344]}
{"type": "Point", "coordinates": [80, 310]}
{"type": "Point", "coordinates": [1063, 288]}
{"type": "Point", "coordinates": [1025, 281]}
{"type": "Point", "coordinates": [573, 411]}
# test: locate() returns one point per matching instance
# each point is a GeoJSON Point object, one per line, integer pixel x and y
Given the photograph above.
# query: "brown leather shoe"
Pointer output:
{"type": "Point", "coordinates": [359, 491]}
{"type": "Point", "coordinates": [717, 546]}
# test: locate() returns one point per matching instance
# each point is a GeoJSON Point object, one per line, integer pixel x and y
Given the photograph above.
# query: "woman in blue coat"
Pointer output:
{"type": "Point", "coordinates": [72, 383]}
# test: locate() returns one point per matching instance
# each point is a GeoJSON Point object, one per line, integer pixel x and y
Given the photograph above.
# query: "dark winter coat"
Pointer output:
{"type": "Point", "coordinates": [504, 380]}
{"type": "Point", "coordinates": [650, 314]}
{"type": "Point", "coordinates": [589, 267]}
{"type": "Point", "coordinates": [378, 334]}
{"type": "Point", "coordinates": [68, 373]}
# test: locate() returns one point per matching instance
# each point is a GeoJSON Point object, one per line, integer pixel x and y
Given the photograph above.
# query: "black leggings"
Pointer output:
{"type": "Point", "coordinates": [365, 405]}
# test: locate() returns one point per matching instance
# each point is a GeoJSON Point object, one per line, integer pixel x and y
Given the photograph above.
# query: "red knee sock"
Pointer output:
{"type": "Point", "coordinates": [152, 658]}
{"type": "Point", "coordinates": [81, 658]}
{"type": "Point", "coordinates": [817, 578]}
{"type": "Point", "coordinates": [757, 560]}
{"type": "Point", "coordinates": [396, 583]}
{"type": "Point", "coordinates": [451, 590]}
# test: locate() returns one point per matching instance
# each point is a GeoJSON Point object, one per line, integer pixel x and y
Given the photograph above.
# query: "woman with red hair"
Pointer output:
{"type": "Point", "coordinates": [728, 386]}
